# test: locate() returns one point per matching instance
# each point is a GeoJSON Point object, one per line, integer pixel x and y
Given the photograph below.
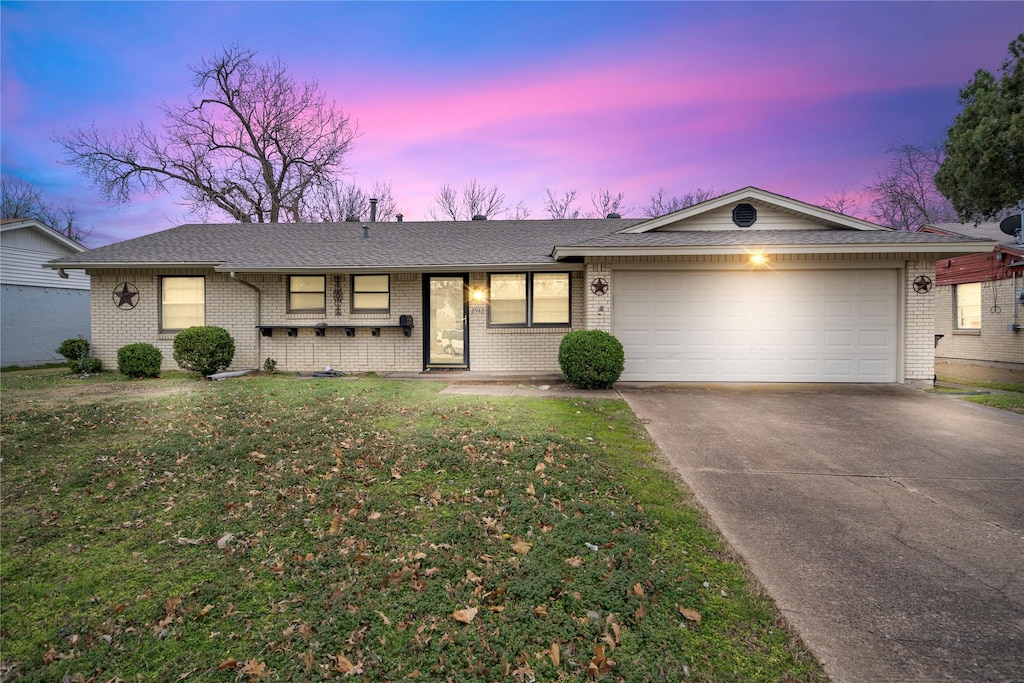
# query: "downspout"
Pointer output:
{"type": "Point", "coordinates": [256, 329]}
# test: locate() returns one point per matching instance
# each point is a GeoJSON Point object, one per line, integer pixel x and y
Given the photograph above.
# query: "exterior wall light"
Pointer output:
{"type": "Point", "coordinates": [758, 259]}
{"type": "Point", "coordinates": [479, 295]}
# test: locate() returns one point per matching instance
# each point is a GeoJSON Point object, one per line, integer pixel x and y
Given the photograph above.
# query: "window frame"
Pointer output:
{"type": "Point", "coordinates": [352, 298]}
{"type": "Point", "coordinates": [958, 306]}
{"type": "Point", "coordinates": [530, 301]}
{"type": "Point", "coordinates": [160, 308]}
{"type": "Point", "coordinates": [323, 292]}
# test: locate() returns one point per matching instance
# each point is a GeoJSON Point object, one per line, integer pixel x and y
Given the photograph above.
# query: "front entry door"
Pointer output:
{"type": "Point", "coordinates": [446, 344]}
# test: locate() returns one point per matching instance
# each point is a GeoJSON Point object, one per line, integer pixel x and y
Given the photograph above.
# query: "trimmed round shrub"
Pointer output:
{"type": "Point", "coordinates": [74, 349]}
{"type": "Point", "coordinates": [206, 349]}
{"type": "Point", "coordinates": [139, 360]}
{"type": "Point", "coordinates": [591, 359]}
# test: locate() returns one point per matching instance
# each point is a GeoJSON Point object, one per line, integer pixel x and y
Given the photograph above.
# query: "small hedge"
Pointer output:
{"type": "Point", "coordinates": [76, 350]}
{"type": "Point", "coordinates": [591, 359]}
{"type": "Point", "coordinates": [139, 360]}
{"type": "Point", "coordinates": [206, 349]}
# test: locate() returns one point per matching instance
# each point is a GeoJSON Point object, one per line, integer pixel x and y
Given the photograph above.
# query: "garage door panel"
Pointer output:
{"type": "Point", "coordinates": [804, 326]}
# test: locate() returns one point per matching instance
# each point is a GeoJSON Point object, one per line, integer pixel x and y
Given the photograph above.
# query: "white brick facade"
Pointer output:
{"type": "Point", "coordinates": [993, 343]}
{"type": "Point", "coordinates": [232, 305]}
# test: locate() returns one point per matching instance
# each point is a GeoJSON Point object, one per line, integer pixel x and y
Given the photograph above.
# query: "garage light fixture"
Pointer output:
{"type": "Point", "coordinates": [758, 259]}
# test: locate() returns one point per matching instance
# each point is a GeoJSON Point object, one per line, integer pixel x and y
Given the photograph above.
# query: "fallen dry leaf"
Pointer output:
{"type": "Point", "coordinates": [556, 654]}
{"type": "Point", "coordinates": [466, 616]}
{"type": "Point", "coordinates": [344, 666]}
{"type": "Point", "coordinates": [521, 547]}
{"type": "Point", "coordinates": [228, 664]}
{"type": "Point", "coordinates": [691, 614]}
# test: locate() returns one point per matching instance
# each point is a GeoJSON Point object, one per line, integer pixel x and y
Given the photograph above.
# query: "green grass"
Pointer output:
{"type": "Point", "coordinates": [1013, 401]}
{"type": "Point", "coordinates": [367, 518]}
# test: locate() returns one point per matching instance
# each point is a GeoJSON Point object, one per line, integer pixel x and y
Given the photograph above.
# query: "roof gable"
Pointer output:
{"type": "Point", "coordinates": [774, 212]}
{"type": "Point", "coordinates": [42, 234]}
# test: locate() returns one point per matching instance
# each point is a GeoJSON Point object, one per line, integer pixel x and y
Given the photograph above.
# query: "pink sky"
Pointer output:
{"type": "Point", "coordinates": [796, 98]}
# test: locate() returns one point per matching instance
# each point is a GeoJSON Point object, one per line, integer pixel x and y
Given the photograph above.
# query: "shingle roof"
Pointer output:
{"type": "Point", "coordinates": [408, 244]}
{"type": "Point", "coordinates": [452, 244]}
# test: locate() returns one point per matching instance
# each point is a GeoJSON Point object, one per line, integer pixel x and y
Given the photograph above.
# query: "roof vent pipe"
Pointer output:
{"type": "Point", "coordinates": [398, 217]}
{"type": "Point", "coordinates": [613, 215]}
{"type": "Point", "coordinates": [373, 210]}
{"type": "Point", "coordinates": [366, 232]}
{"type": "Point", "coordinates": [479, 217]}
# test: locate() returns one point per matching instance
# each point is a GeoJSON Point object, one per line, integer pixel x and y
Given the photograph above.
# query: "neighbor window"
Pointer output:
{"type": "Point", "coordinates": [371, 293]}
{"type": "Point", "coordinates": [182, 302]}
{"type": "Point", "coordinates": [968, 306]}
{"type": "Point", "coordinates": [307, 294]}
{"type": "Point", "coordinates": [529, 299]}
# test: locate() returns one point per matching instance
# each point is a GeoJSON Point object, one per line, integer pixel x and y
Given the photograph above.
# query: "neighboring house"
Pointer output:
{"type": "Point", "coordinates": [979, 299]}
{"type": "Point", "coordinates": [748, 287]}
{"type": "Point", "coordinates": [39, 307]}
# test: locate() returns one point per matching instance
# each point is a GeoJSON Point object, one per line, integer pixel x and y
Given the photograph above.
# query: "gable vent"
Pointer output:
{"type": "Point", "coordinates": [744, 215]}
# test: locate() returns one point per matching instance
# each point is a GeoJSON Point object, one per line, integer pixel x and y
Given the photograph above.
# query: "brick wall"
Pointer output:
{"type": "Point", "coordinates": [500, 349]}
{"type": "Point", "coordinates": [232, 305]}
{"type": "Point", "coordinates": [919, 326]}
{"type": "Point", "coordinates": [993, 343]}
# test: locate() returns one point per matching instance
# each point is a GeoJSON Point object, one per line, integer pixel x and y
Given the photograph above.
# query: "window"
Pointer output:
{"type": "Point", "coordinates": [529, 299]}
{"type": "Point", "coordinates": [182, 302]}
{"type": "Point", "coordinates": [968, 306]}
{"type": "Point", "coordinates": [371, 293]}
{"type": "Point", "coordinates": [307, 294]}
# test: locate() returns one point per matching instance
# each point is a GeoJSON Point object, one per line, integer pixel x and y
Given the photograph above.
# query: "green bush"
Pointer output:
{"type": "Point", "coordinates": [206, 350]}
{"type": "Point", "coordinates": [139, 360]}
{"type": "Point", "coordinates": [85, 366]}
{"type": "Point", "coordinates": [591, 359]}
{"type": "Point", "coordinates": [74, 349]}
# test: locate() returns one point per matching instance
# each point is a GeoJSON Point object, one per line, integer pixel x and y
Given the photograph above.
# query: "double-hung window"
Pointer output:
{"type": "Point", "coordinates": [371, 293]}
{"type": "Point", "coordinates": [182, 302]}
{"type": "Point", "coordinates": [307, 294]}
{"type": "Point", "coordinates": [529, 299]}
{"type": "Point", "coordinates": [968, 305]}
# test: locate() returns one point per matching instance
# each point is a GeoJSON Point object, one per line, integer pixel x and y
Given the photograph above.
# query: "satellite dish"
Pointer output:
{"type": "Point", "coordinates": [1011, 225]}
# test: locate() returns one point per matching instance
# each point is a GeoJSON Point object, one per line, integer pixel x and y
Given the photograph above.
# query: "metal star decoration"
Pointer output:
{"type": "Point", "coordinates": [922, 284]}
{"type": "Point", "coordinates": [599, 286]}
{"type": "Point", "coordinates": [125, 295]}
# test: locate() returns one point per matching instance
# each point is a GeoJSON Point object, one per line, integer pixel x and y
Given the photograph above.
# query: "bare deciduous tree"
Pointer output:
{"type": "Point", "coordinates": [343, 202]}
{"type": "Point", "coordinates": [561, 206]}
{"type": "Point", "coordinates": [842, 202]}
{"type": "Point", "coordinates": [661, 203]}
{"type": "Point", "coordinates": [904, 196]}
{"type": "Point", "coordinates": [251, 142]}
{"type": "Point", "coordinates": [476, 199]}
{"type": "Point", "coordinates": [21, 199]}
{"type": "Point", "coordinates": [604, 203]}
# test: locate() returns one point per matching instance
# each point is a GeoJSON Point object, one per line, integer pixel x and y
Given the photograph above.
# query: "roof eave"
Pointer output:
{"type": "Point", "coordinates": [943, 249]}
{"type": "Point", "coordinates": [96, 265]}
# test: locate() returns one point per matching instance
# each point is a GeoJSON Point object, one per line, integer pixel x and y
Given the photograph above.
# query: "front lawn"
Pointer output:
{"type": "Point", "coordinates": [270, 528]}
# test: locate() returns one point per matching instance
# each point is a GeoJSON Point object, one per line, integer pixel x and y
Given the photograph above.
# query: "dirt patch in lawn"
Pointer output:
{"type": "Point", "coordinates": [969, 372]}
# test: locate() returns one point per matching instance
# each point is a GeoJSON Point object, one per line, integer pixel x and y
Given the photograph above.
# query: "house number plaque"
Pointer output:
{"type": "Point", "coordinates": [126, 296]}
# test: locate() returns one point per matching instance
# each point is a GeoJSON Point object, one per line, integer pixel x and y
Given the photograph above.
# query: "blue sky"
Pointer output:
{"type": "Point", "coordinates": [797, 98]}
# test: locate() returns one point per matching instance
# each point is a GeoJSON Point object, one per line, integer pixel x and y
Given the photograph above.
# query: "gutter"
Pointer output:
{"type": "Point", "coordinates": [256, 329]}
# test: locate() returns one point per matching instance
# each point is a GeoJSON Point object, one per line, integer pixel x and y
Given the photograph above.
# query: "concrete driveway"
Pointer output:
{"type": "Point", "coordinates": [887, 523]}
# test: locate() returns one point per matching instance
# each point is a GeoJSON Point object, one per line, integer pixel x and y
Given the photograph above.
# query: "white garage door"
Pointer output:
{"type": "Point", "coordinates": [757, 326]}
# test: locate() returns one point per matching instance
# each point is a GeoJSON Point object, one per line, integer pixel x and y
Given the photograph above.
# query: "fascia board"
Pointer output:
{"type": "Point", "coordinates": [96, 265]}
{"type": "Point", "coordinates": [453, 268]}
{"type": "Point", "coordinates": [959, 249]}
